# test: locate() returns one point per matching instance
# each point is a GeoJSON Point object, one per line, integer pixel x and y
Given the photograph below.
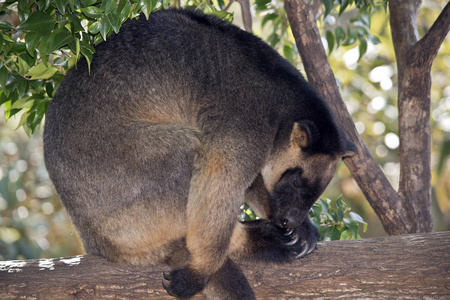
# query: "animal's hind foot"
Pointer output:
{"type": "Point", "coordinates": [184, 283]}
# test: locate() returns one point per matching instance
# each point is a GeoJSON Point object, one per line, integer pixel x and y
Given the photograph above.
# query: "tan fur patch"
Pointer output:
{"type": "Point", "coordinates": [316, 168]}
{"type": "Point", "coordinates": [299, 136]}
{"type": "Point", "coordinates": [238, 240]}
{"type": "Point", "coordinates": [256, 196]}
{"type": "Point", "coordinates": [215, 165]}
{"type": "Point", "coordinates": [283, 160]}
{"type": "Point", "coordinates": [139, 236]}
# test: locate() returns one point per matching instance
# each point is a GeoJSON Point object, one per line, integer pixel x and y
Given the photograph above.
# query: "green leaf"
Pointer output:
{"type": "Point", "coordinates": [41, 71]}
{"type": "Point", "coordinates": [105, 28]}
{"type": "Point", "coordinates": [7, 38]}
{"type": "Point", "coordinates": [23, 66]}
{"type": "Point", "coordinates": [346, 235]}
{"type": "Point", "coordinates": [42, 48]}
{"type": "Point", "coordinates": [22, 103]}
{"type": "Point", "coordinates": [71, 62]}
{"type": "Point", "coordinates": [325, 204]}
{"type": "Point", "coordinates": [362, 30]}
{"type": "Point", "coordinates": [356, 217]}
{"type": "Point", "coordinates": [61, 6]}
{"type": "Point", "coordinates": [114, 20]}
{"type": "Point", "coordinates": [32, 39]}
{"type": "Point", "coordinates": [351, 38]}
{"type": "Point", "coordinates": [223, 15]}
{"type": "Point", "coordinates": [3, 97]}
{"type": "Point", "coordinates": [267, 18]}
{"type": "Point", "coordinates": [23, 10]}
{"type": "Point", "coordinates": [362, 47]}
{"type": "Point", "coordinates": [340, 211]}
{"type": "Point", "coordinates": [273, 39]}
{"type": "Point", "coordinates": [75, 25]}
{"type": "Point", "coordinates": [261, 4]}
{"type": "Point", "coordinates": [374, 40]}
{"type": "Point", "coordinates": [352, 225]}
{"type": "Point", "coordinates": [339, 34]}
{"type": "Point", "coordinates": [147, 7]}
{"type": "Point", "coordinates": [37, 84]}
{"type": "Point", "coordinates": [90, 2]}
{"type": "Point", "coordinates": [58, 38]}
{"type": "Point", "coordinates": [125, 13]}
{"type": "Point", "coordinates": [344, 5]}
{"type": "Point", "coordinates": [289, 53]}
{"type": "Point", "coordinates": [71, 4]}
{"type": "Point", "coordinates": [6, 26]}
{"type": "Point", "coordinates": [77, 49]}
{"type": "Point", "coordinates": [331, 234]}
{"type": "Point", "coordinates": [94, 28]}
{"type": "Point", "coordinates": [44, 4]}
{"type": "Point", "coordinates": [87, 51]}
{"type": "Point", "coordinates": [166, 4]}
{"type": "Point", "coordinates": [316, 210]}
{"type": "Point", "coordinates": [108, 6]}
{"type": "Point", "coordinates": [330, 40]}
{"type": "Point", "coordinates": [328, 7]}
{"type": "Point", "coordinates": [39, 22]}
{"type": "Point", "coordinates": [23, 120]}
{"type": "Point", "coordinates": [3, 76]}
{"type": "Point", "coordinates": [91, 12]}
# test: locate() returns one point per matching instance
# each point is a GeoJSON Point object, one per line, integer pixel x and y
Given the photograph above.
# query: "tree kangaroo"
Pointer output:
{"type": "Point", "coordinates": [180, 118]}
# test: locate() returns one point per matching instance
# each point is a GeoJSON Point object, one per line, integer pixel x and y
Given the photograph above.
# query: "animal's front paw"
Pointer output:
{"type": "Point", "coordinates": [305, 236]}
{"type": "Point", "coordinates": [183, 283]}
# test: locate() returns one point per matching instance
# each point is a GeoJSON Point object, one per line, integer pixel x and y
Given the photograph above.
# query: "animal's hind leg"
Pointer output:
{"type": "Point", "coordinates": [229, 283]}
{"type": "Point", "coordinates": [142, 177]}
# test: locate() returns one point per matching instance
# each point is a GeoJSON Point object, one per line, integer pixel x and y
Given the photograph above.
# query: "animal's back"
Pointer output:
{"type": "Point", "coordinates": [121, 141]}
{"type": "Point", "coordinates": [165, 70]}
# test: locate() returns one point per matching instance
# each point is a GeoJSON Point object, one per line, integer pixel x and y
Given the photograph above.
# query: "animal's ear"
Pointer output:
{"type": "Point", "coordinates": [301, 135]}
{"type": "Point", "coordinates": [348, 148]}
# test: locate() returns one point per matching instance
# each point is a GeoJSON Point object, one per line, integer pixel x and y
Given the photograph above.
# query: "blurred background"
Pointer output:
{"type": "Point", "coordinates": [34, 224]}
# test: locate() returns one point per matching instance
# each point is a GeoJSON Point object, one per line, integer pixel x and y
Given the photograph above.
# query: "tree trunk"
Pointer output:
{"type": "Point", "coordinates": [400, 212]}
{"type": "Point", "coordinates": [414, 59]}
{"type": "Point", "coordinates": [401, 267]}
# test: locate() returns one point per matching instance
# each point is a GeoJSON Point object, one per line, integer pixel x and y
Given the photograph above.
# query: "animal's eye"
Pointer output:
{"type": "Point", "coordinates": [296, 182]}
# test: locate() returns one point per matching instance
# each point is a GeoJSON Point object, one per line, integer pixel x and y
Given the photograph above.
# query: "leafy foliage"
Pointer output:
{"type": "Point", "coordinates": [345, 23]}
{"type": "Point", "coordinates": [353, 23]}
{"type": "Point", "coordinates": [41, 40]}
{"type": "Point", "coordinates": [336, 224]}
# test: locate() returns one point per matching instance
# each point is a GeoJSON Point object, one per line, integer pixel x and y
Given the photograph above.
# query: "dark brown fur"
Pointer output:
{"type": "Point", "coordinates": [181, 118]}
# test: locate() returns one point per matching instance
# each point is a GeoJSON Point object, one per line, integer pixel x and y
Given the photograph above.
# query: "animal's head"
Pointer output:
{"type": "Point", "coordinates": [299, 170]}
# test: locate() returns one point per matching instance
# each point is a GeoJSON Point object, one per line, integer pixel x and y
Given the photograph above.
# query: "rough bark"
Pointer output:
{"type": "Point", "coordinates": [414, 59]}
{"type": "Point", "coordinates": [402, 267]}
{"type": "Point", "coordinates": [408, 210]}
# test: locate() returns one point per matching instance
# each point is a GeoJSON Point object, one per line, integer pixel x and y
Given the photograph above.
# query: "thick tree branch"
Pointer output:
{"type": "Point", "coordinates": [410, 267]}
{"type": "Point", "coordinates": [403, 26]}
{"type": "Point", "coordinates": [363, 167]}
{"type": "Point", "coordinates": [246, 13]}
{"type": "Point", "coordinates": [414, 60]}
{"type": "Point", "coordinates": [430, 43]}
